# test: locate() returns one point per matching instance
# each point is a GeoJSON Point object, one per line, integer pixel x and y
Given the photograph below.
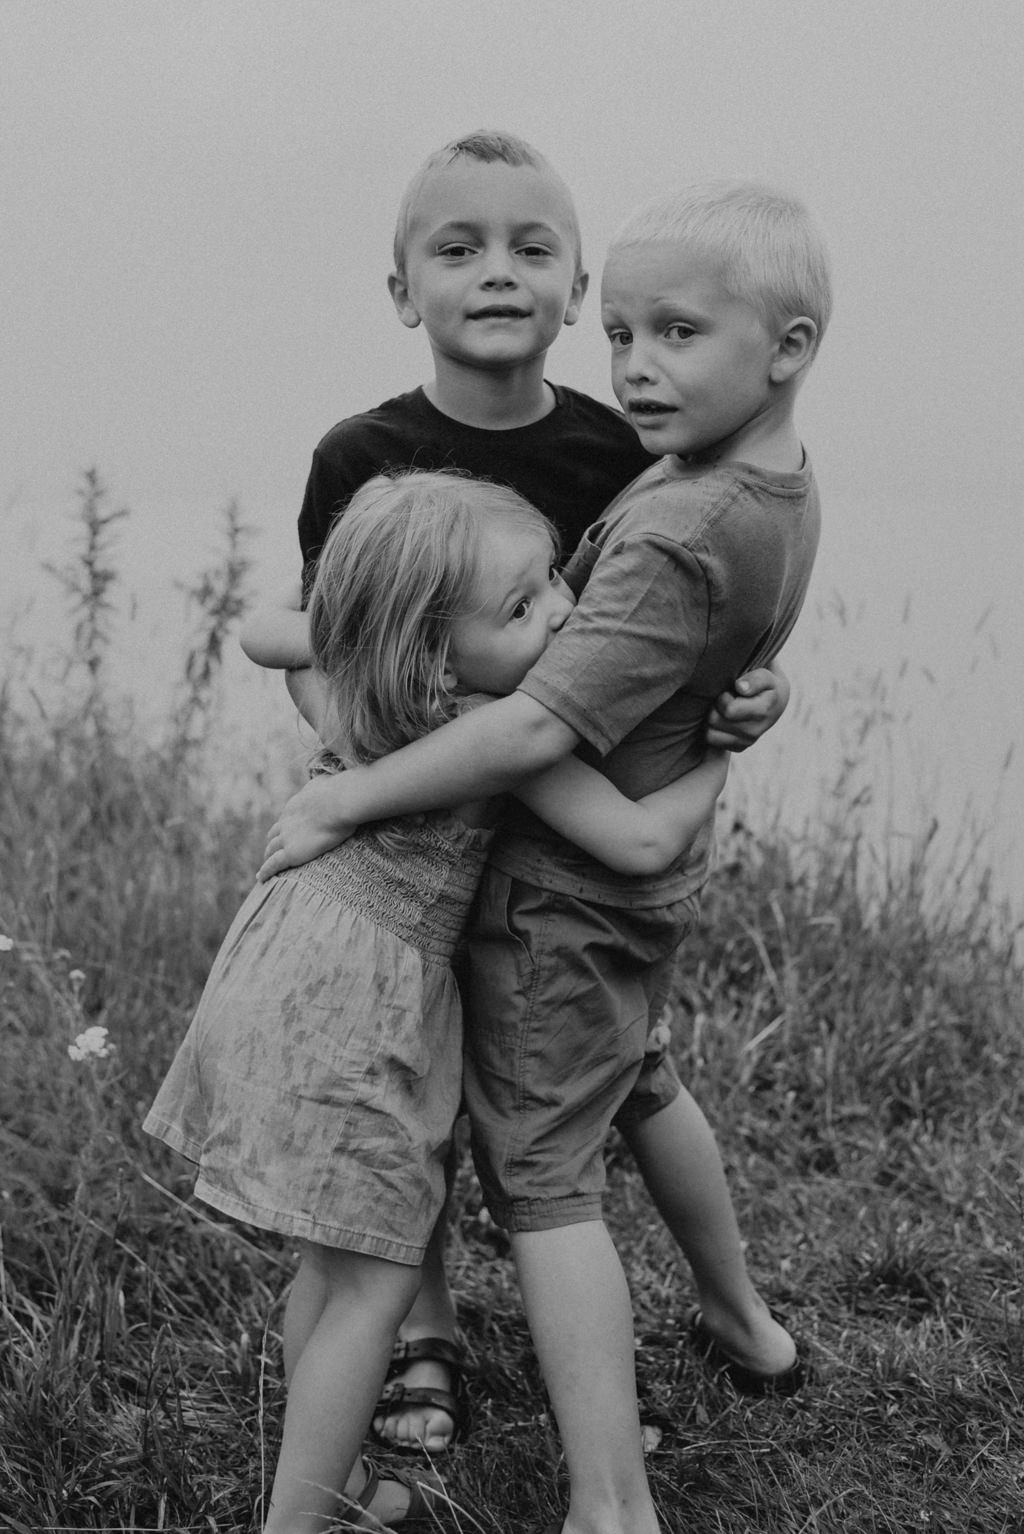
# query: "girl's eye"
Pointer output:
{"type": "Point", "coordinates": [553, 574]}
{"type": "Point", "coordinates": [619, 339]}
{"type": "Point", "coordinates": [679, 331]}
{"type": "Point", "coordinates": [520, 611]}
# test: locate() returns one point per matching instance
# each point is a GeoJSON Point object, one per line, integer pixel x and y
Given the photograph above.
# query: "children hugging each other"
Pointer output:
{"type": "Point", "coordinates": [317, 1087]}
{"type": "Point", "coordinates": [488, 262]}
{"type": "Point", "coordinates": [714, 300]}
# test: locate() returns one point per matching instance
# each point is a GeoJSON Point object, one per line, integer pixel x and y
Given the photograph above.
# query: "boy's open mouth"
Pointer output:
{"type": "Point", "coordinates": [648, 407]}
{"type": "Point", "coordinates": [499, 312]}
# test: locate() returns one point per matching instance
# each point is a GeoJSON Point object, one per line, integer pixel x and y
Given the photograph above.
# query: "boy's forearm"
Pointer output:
{"type": "Point", "coordinates": [277, 637]}
{"type": "Point", "coordinates": [642, 837]}
{"type": "Point", "coordinates": [308, 691]}
{"type": "Point", "coordinates": [482, 754]}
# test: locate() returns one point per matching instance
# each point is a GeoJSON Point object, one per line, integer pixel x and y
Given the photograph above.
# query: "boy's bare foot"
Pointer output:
{"type": "Point", "coordinates": [423, 1406]}
{"type": "Point", "coordinates": [759, 1360]}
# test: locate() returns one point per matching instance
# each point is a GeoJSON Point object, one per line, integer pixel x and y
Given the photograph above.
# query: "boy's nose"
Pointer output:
{"type": "Point", "coordinates": [498, 271]}
{"type": "Point", "coordinates": [638, 364]}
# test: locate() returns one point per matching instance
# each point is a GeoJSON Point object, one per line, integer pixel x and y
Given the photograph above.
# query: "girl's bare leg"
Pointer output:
{"type": "Point", "coordinates": [335, 1381]}
{"type": "Point", "coordinates": [303, 1309]}
{"type": "Point", "coordinates": [432, 1315]}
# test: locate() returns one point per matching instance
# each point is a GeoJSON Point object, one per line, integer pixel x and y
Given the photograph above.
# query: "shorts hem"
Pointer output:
{"type": "Point", "coordinates": [527, 1215]}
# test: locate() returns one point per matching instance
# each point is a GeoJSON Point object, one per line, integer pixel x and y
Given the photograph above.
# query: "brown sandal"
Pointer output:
{"type": "Point", "coordinates": [420, 1499]}
{"type": "Point", "coordinates": [397, 1397]}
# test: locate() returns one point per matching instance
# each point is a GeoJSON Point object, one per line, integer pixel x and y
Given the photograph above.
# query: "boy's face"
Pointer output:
{"type": "Point", "coordinates": [691, 364]}
{"type": "Point", "coordinates": [490, 263]}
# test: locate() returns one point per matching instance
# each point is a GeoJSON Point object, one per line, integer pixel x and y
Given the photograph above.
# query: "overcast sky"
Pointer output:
{"type": "Point", "coordinates": [197, 205]}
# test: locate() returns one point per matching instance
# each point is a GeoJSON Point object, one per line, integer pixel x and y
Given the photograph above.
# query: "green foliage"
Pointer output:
{"type": "Point", "coordinates": [88, 580]}
{"type": "Point", "coordinates": [859, 1052]}
{"type": "Point", "coordinates": [219, 598]}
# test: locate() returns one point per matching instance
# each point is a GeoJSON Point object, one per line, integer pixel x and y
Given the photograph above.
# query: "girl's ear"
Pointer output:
{"type": "Point", "coordinates": [398, 287]}
{"type": "Point", "coordinates": [794, 348]}
{"type": "Point", "coordinates": [449, 678]}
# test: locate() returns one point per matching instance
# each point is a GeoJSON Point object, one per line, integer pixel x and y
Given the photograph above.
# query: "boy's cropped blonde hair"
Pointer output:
{"type": "Point", "coordinates": [772, 254]}
{"type": "Point", "coordinates": [489, 146]}
{"type": "Point", "coordinates": [399, 564]}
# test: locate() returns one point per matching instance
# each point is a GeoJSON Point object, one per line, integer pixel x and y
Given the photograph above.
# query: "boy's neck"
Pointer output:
{"type": "Point", "coordinates": [770, 443]}
{"type": "Point", "coordinates": [496, 400]}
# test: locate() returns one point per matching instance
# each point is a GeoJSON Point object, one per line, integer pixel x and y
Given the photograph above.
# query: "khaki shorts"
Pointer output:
{"type": "Point", "coordinates": [562, 1001]}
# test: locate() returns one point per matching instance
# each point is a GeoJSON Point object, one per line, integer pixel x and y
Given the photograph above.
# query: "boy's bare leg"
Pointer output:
{"type": "Point", "coordinates": [580, 1315]}
{"type": "Point", "coordinates": [432, 1315]}
{"type": "Point", "coordinates": [681, 1165]}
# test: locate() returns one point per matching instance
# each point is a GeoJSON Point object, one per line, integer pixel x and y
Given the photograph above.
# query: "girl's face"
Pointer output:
{"type": "Point", "coordinates": [518, 602]}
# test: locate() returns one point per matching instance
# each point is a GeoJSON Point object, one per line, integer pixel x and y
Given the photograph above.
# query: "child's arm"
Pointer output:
{"type": "Point", "coordinates": [307, 689]}
{"type": "Point", "coordinates": [277, 635]}
{"type": "Point", "coordinates": [741, 717]}
{"type": "Point", "coordinates": [631, 837]}
{"type": "Point", "coordinates": [477, 756]}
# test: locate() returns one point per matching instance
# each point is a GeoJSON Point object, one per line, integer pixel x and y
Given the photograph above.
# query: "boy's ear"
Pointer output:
{"type": "Point", "coordinates": [794, 349]}
{"type": "Point", "coordinates": [398, 287]}
{"type": "Point", "coordinates": [579, 292]}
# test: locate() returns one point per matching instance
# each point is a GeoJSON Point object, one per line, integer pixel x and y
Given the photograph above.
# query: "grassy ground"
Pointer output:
{"type": "Point", "coordinates": [859, 1054]}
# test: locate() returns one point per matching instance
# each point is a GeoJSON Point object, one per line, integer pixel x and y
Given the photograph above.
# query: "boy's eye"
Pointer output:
{"type": "Point", "coordinates": [679, 330]}
{"type": "Point", "coordinates": [535, 252]}
{"type": "Point", "coordinates": [520, 611]}
{"type": "Point", "coordinates": [619, 338]}
{"type": "Point", "coordinates": [456, 250]}
{"type": "Point", "coordinates": [553, 574]}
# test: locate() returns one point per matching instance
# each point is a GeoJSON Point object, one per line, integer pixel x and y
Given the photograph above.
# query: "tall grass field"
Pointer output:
{"type": "Point", "coordinates": [858, 1047]}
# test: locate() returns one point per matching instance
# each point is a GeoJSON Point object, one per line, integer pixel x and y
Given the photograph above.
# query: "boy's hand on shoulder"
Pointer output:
{"type": "Point", "coordinates": [311, 823]}
{"type": "Point", "coordinates": [739, 718]}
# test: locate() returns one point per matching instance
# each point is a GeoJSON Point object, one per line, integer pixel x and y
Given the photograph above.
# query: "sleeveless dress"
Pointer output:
{"type": "Point", "coordinates": [319, 1082]}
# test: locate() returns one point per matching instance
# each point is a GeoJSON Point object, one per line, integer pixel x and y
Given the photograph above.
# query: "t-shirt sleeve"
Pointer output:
{"type": "Point", "coordinates": [335, 475]}
{"type": "Point", "coordinates": [635, 638]}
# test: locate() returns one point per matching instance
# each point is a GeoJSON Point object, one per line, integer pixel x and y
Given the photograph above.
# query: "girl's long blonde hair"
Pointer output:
{"type": "Point", "coordinates": [399, 565]}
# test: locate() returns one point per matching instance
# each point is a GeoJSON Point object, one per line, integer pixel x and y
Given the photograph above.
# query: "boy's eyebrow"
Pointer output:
{"type": "Point", "coordinates": [453, 226]}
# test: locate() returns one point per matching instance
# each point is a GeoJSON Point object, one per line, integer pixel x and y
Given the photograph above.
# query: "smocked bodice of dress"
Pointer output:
{"type": "Point", "coordinates": [419, 887]}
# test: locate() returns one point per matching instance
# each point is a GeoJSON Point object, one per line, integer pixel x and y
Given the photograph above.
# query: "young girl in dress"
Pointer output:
{"type": "Point", "coordinates": [319, 1082]}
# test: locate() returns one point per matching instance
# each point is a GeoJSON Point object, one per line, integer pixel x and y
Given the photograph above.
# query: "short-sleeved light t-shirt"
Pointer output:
{"type": "Point", "coordinates": [694, 575]}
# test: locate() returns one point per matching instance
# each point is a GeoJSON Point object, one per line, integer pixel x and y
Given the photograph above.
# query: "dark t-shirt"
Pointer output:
{"type": "Point", "coordinates": [570, 464]}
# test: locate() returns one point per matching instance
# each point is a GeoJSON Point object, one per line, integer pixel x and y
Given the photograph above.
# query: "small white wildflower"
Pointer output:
{"type": "Point", "coordinates": [90, 1044]}
{"type": "Point", "coordinates": [6, 943]}
{"type": "Point", "coordinates": [77, 976]}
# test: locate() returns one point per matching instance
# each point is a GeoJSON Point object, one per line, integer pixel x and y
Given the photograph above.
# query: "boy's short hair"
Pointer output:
{"type": "Point", "coordinates": [489, 146]}
{"type": "Point", "coordinates": [773, 255]}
